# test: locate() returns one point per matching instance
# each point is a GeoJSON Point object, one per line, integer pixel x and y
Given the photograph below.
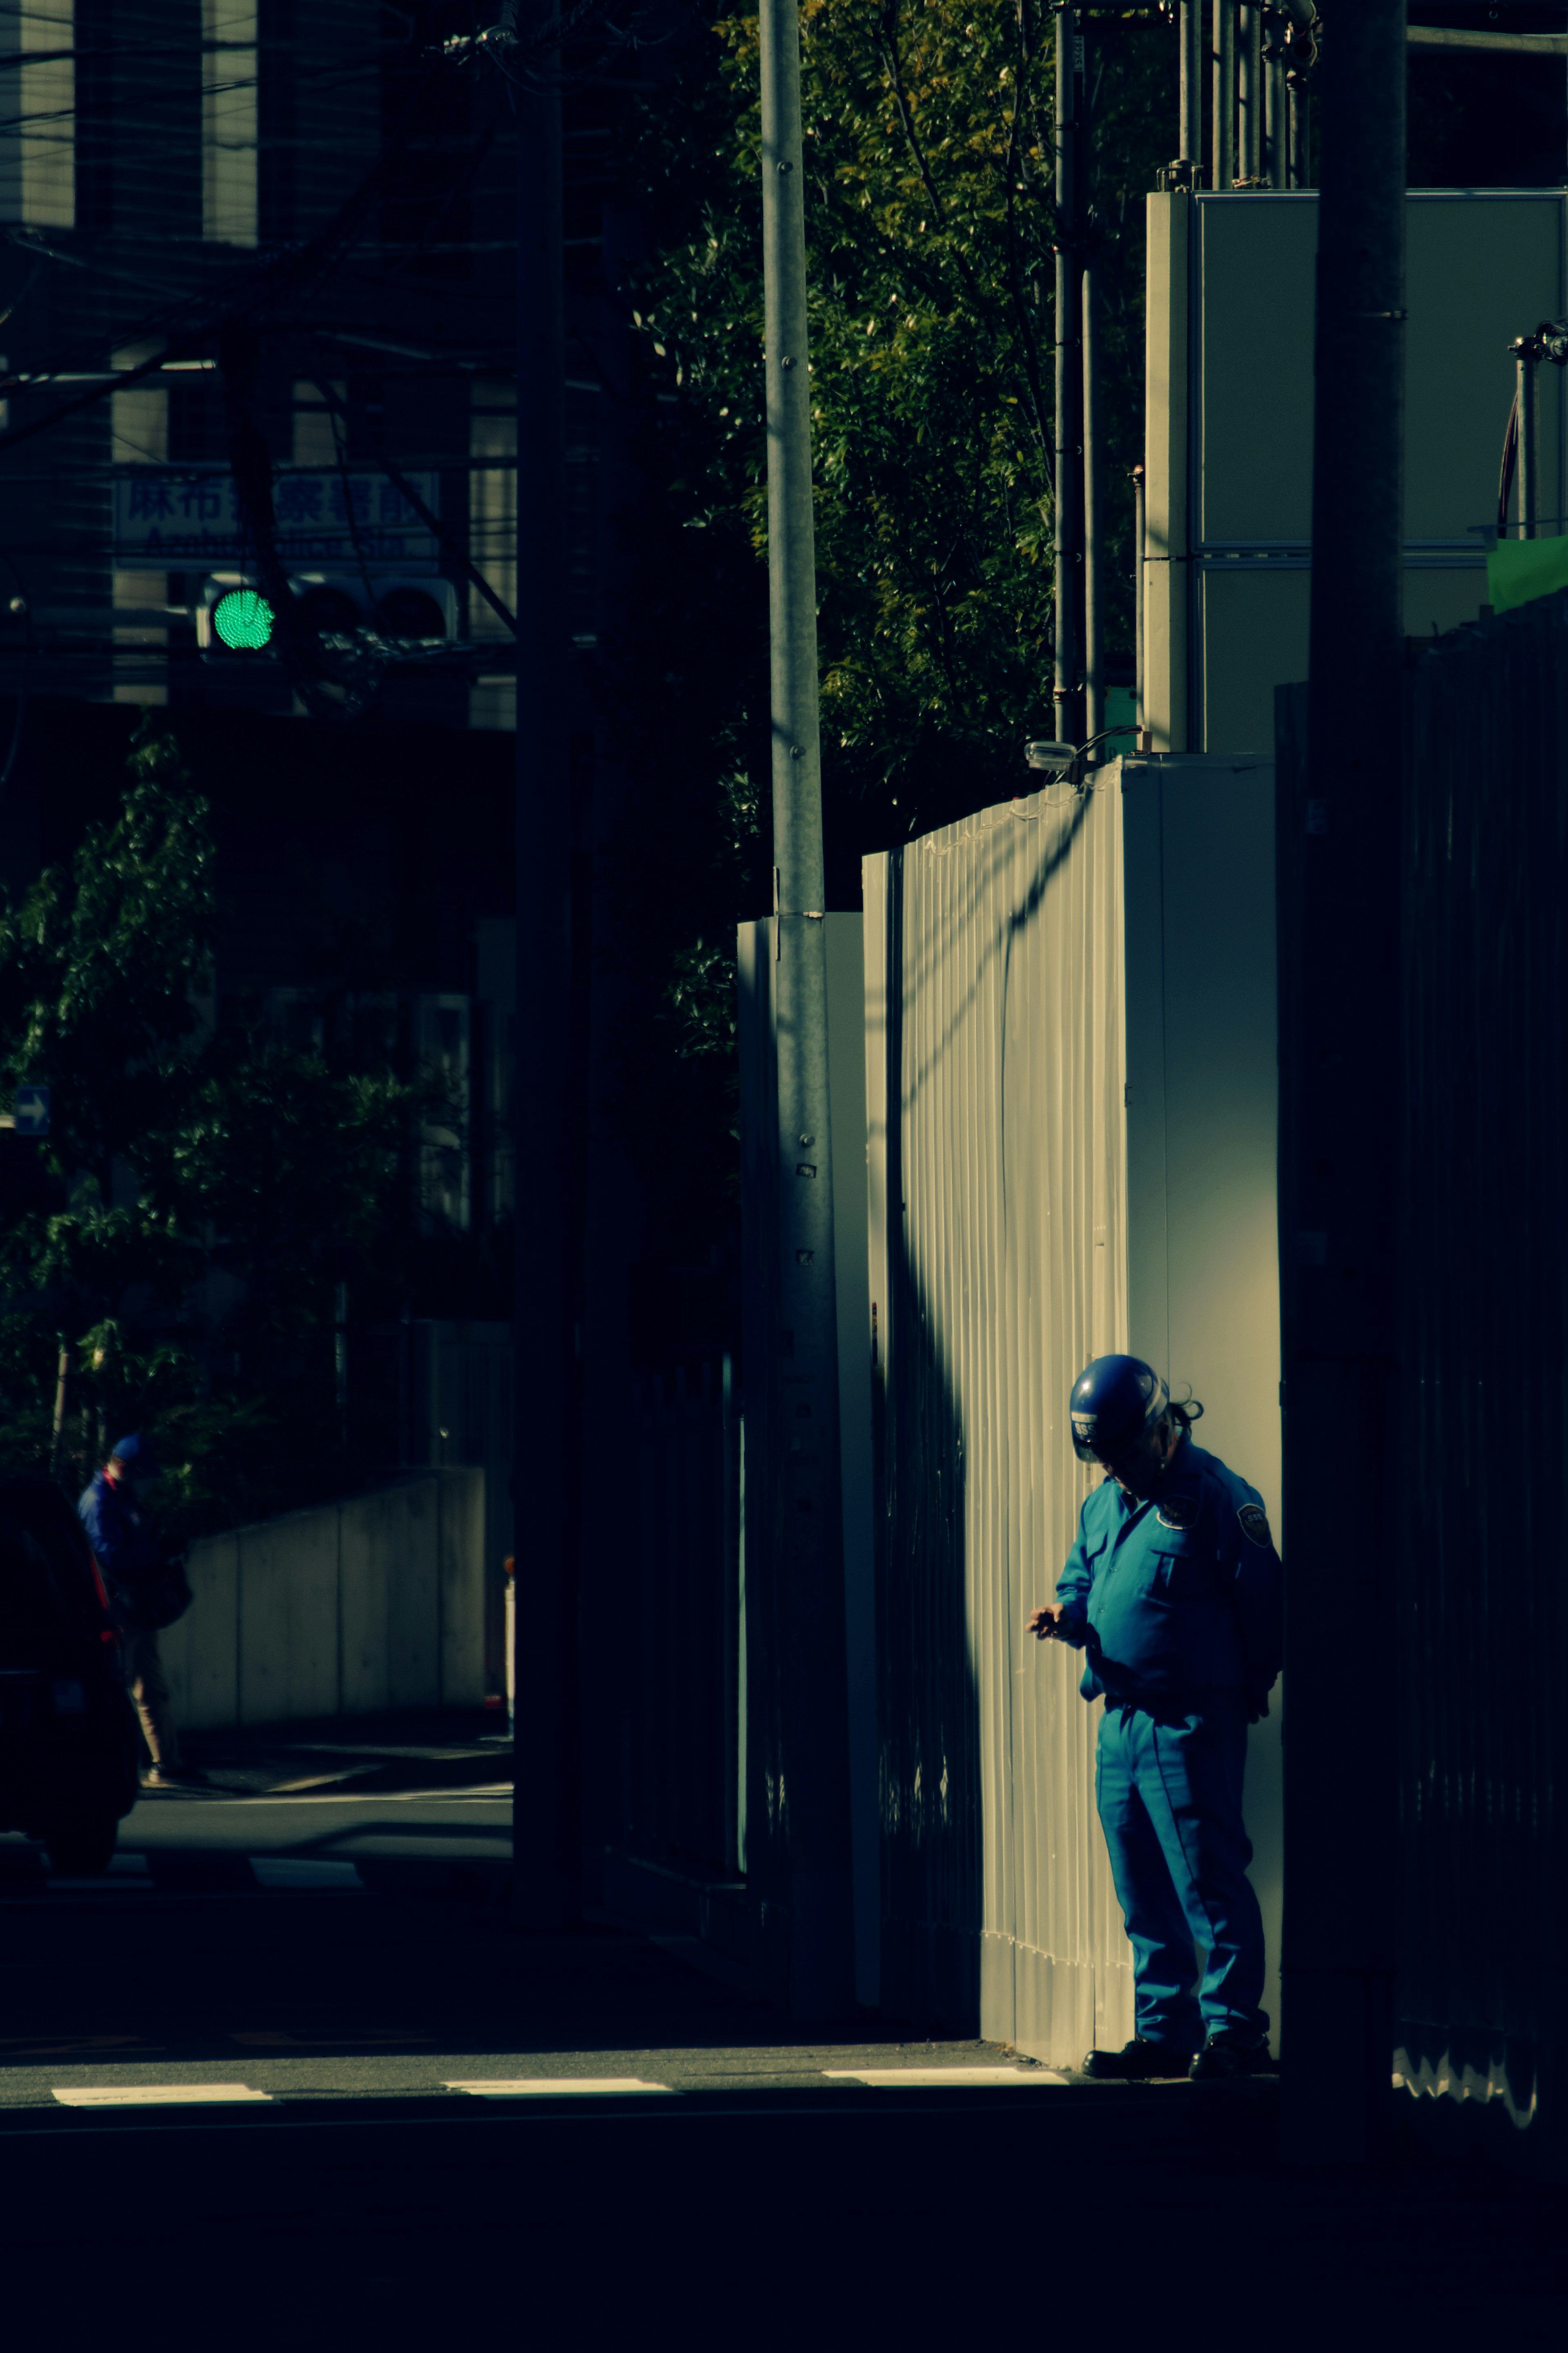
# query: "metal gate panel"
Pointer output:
{"type": "Point", "coordinates": [999, 1250]}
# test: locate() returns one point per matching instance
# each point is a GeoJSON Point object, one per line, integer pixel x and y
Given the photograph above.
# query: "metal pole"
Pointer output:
{"type": "Point", "coordinates": [1250, 95]}
{"type": "Point", "coordinates": [1224, 142]}
{"type": "Point", "coordinates": [1068, 516]}
{"type": "Point", "coordinates": [1275, 127]}
{"type": "Point", "coordinates": [1524, 366]}
{"type": "Point", "coordinates": [1139, 509]}
{"type": "Point", "coordinates": [1094, 711]}
{"type": "Point", "coordinates": [1192, 94]}
{"type": "Point", "coordinates": [546, 1842]}
{"type": "Point", "coordinates": [806, 1529]}
{"type": "Point", "coordinates": [1339, 852]}
{"type": "Point", "coordinates": [1300, 137]}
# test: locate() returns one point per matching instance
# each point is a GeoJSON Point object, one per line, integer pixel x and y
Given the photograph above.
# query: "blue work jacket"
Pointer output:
{"type": "Point", "coordinates": [120, 1536]}
{"type": "Point", "coordinates": [1177, 1595]}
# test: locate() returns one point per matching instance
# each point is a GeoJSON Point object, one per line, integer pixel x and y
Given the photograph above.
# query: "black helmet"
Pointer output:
{"type": "Point", "coordinates": [1113, 1401]}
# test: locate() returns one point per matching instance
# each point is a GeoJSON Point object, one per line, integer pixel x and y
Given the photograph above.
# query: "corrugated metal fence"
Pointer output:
{"type": "Point", "coordinates": [1483, 1605]}
{"type": "Point", "coordinates": [998, 1254]}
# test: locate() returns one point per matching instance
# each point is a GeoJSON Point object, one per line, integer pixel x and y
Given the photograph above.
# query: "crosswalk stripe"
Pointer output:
{"type": "Point", "coordinates": [524, 2087]}
{"type": "Point", "coordinates": [153, 2095]}
{"type": "Point", "coordinates": [879, 2077]}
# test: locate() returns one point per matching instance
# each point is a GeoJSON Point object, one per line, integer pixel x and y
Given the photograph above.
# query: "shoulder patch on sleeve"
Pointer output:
{"type": "Point", "coordinates": [1178, 1512]}
{"type": "Point", "coordinates": [1255, 1524]}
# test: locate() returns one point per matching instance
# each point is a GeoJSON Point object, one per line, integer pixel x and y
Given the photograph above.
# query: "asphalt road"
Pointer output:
{"type": "Point", "coordinates": [299, 1981]}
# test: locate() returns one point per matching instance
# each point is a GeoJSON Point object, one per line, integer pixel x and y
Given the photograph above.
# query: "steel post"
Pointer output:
{"type": "Point", "coordinates": [1191, 86]}
{"type": "Point", "coordinates": [547, 1880]}
{"type": "Point", "coordinates": [1339, 869]}
{"type": "Point", "coordinates": [1529, 418]}
{"type": "Point", "coordinates": [807, 1549]}
{"type": "Point", "coordinates": [1250, 91]}
{"type": "Point", "coordinates": [1275, 127]}
{"type": "Point", "coordinates": [1093, 649]}
{"type": "Point", "coordinates": [1301, 172]}
{"type": "Point", "coordinates": [1068, 520]}
{"type": "Point", "coordinates": [1140, 507]}
{"type": "Point", "coordinates": [1224, 139]}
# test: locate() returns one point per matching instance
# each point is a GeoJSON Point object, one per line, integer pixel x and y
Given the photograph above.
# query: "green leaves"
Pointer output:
{"type": "Point", "coordinates": [931, 224]}
{"type": "Point", "coordinates": [930, 213]}
{"type": "Point", "coordinates": [97, 972]}
{"type": "Point", "coordinates": [207, 1187]}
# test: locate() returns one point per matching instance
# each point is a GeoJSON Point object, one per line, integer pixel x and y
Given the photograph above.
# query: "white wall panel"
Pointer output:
{"type": "Point", "coordinates": [999, 1250]}
{"type": "Point", "coordinates": [1071, 1103]}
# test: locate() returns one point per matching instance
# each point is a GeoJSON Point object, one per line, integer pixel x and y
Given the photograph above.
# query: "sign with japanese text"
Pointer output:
{"type": "Point", "coordinates": [166, 520]}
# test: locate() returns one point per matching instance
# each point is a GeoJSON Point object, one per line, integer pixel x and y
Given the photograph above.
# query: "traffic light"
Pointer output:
{"type": "Point", "coordinates": [234, 620]}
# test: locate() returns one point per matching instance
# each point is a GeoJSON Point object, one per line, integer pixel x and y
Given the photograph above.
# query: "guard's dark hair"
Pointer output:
{"type": "Point", "coordinates": [1185, 1415]}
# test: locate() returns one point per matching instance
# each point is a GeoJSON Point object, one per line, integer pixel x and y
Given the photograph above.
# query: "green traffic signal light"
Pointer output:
{"type": "Point", "coordinates": [243, 618]}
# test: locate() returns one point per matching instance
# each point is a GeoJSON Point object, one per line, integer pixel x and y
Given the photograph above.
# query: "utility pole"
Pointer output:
{"type": "Point", "coordinates": [1338, 849]}
{"type": "Point", "coordinates": [1068, 516]}
{"type": "Point", "coordinates": [548, 1867]}
{"type": "Point", "coordinates": [806, 1519]}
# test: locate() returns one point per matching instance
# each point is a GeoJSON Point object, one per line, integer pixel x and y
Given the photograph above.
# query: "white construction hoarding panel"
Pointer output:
{"type": "Point", "coordinates": [1072, 1099]}
{"type": "Point", "coordinates": [998, 1251]}
{"type": "Point", "coordinates": [1202, 1126]}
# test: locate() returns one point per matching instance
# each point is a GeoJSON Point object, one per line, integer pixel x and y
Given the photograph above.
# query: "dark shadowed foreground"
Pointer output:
{"type": "Point", "coordinates": [756, 2196]}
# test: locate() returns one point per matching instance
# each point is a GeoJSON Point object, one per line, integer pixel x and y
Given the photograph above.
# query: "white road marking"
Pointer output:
{"type": "Point", "coordinates": [525, 2087]}
{"type": "Point", "coordinates": [928, 2075]}
{"type": "Point", "coordinates": [153, 2095]}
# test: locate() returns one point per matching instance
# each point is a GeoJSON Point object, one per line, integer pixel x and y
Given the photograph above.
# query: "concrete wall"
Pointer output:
{"type": "Point", "coordinates": [371, 1603]}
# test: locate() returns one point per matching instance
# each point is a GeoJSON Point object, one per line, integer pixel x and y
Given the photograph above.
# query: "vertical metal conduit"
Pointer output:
{"type": "Point", "coordinates": [1223, 143]}
{"type": "Point", "coordinates": [1093, 665]}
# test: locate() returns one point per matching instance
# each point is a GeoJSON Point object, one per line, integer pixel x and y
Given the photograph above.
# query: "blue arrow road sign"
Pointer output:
{"type": "Point", "coordinates": [32, 1111]}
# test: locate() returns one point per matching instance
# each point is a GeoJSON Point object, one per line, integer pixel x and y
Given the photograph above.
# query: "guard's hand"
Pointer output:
{"type": "Point", "coordinates": [1049, 1624]}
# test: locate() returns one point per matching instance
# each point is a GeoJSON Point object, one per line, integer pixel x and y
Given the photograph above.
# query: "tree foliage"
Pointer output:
{"type": "Point", "coordinates": [200, 1192]}
{"type": "Point", "coordinates": [931, 225]}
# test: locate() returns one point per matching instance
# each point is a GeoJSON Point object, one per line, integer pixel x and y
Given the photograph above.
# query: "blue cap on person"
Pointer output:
{"type": "Point", "coordinates": [1113, 1401]}
{"type": "Point", "coordinates": [136, 1454]}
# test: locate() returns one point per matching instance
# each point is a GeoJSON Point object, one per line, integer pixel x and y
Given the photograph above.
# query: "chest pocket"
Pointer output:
{"type": "Point", "coordinates": [1176, 1568]}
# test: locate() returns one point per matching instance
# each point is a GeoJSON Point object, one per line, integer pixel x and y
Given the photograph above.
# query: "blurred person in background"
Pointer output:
{"type": "Point", "coordinates": [146, 1591]}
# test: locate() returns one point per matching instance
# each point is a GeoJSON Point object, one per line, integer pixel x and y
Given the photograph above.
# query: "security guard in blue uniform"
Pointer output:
{"type": "Point", "coordinates": [1173, 1591]}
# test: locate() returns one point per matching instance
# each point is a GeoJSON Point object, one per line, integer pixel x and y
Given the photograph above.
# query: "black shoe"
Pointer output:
{"type": "Point", "coordinates": [1137, 2062]}
{"type": "Point", "coordinates": [173, 1777]}
{"type": "Point", "coordinates": [1221, 2056]}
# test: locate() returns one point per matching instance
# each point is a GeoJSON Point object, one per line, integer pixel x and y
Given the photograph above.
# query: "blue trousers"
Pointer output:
{"type": "Point", "coordinates": [1169, 1794]}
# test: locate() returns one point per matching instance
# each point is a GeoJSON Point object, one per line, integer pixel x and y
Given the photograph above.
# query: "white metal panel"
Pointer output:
{"type": "Point", "coordinates": [1071, 1105]}
{"type": "Point", "coordinates": [998, 1257]}
{"type": "Point", "coordinates": [1202, 1124]}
